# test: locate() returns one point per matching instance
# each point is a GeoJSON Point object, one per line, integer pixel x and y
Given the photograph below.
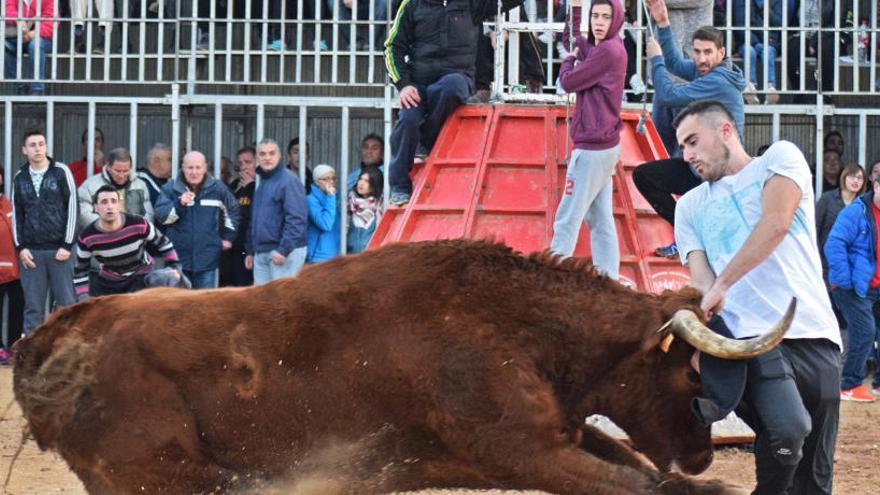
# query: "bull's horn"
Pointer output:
{"type": "Point", "coordinates": [687, 326]}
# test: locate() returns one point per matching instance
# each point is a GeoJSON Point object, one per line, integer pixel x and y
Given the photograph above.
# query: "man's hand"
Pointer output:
{"type": "Point", "coordinates": [713, 300]}
{"type": "Point", "coordinates": [494, 39]}
{"type": "Point", "coordinates": [27, 36]}
{"type": "Point", "coordinates": [225, 245]}
{"type": "Point", "coordinates": [249, 262]}
{"type": "Point", "coordinates": [653, 48]}
{"type": "Point", "coordinates": [187, 198]}
{"type": "Point", "coordinates": [278, 258]}
{"type": "Point", "coordinates": [659, 12]}
{"type": "Point", "coordinates": [576, 53]}
{"type": "Point", "coordinates": [577, 3]}
{"type": "Point", "coordinates": [347, 3]}
{"type": "Point", "coordinates": [62, 254]}
{"type": "Point", "coordinates": [27, 259]}
{"type": "Point", "coordinates": [409, 97]}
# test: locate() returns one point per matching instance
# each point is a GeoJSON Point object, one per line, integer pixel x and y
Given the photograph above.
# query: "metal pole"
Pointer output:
{"type": "Point", "coordinates": [343, 179]}
{"type": "Point", "coordinates": [218, 140]}
{"type": "Point", "coordinates": [175, 128]}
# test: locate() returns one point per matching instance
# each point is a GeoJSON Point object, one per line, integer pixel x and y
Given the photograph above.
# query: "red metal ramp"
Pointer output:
{"type": "Point", "coordinates": [499, 171]}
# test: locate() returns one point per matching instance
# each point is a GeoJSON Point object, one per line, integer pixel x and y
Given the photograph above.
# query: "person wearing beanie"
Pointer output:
{"type": "Point", "coordinates": [323, 236]}
{"type": "Point", "coordinates": [276, 238]}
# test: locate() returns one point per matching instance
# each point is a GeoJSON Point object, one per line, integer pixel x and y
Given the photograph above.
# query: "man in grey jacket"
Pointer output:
{"type": "Point", "coordinates": [120, 174]}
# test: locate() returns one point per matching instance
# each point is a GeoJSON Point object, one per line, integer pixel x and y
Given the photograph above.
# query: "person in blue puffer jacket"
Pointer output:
{"type": "Point", "coordinates": [323, 234]}
{"type": "Point", "coordinates": [200, 216]}
{"type": "Point", "coordinates": [851, 251]}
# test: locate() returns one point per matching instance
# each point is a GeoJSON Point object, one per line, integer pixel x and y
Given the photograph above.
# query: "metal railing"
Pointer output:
{"type": "Point", "coordinates": [313, 43]}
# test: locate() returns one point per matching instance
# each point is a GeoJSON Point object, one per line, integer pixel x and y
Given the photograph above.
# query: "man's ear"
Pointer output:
{"type": "Point", "coordinates": [722, 51]}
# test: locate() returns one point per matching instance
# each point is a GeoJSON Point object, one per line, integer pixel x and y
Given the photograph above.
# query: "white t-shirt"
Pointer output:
{"type": "Point", "coordinates": [717, 218]}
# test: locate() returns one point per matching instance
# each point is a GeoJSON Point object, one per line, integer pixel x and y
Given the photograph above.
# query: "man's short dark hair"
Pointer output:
{"type": "Point", "coordinates": [118, 155]}
{"type": "Point", "coordinates": [85, 134]}
{"type": "Point", "coordinates": [832, 150]}
{"type": "Point", "coordinates": [103, 189]}
{"type": "Point", "coordinates": [246, 149]}
{"type": "Point", "coordinates": [709, 33]}
{"type": "Point", "coordinates": [703, 108]}
{"type": "Point", "coordinates": [832, 132]}
{"type": "Point", "coordinates": [293, 142]}
{"type": "Point", "coordinates": [32, 132]}
{"type": "Point", "coordinates": [373, 137]}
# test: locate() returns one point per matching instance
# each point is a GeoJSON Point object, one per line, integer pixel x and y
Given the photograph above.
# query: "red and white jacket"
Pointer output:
{"type": "Point", "coordinates": [29, 10]}
{"type": "Point", "coordinates": [8, 255]}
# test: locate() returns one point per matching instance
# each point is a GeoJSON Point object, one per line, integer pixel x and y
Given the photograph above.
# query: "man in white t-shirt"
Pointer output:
{"type": "Point", "coordinates": [747, 235]}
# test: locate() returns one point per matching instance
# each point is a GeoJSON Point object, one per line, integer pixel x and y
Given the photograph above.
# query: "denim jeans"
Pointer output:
{"type": "Point", "coordinates": [266, 271]}
{"type": "Point", "coordinates": [861, 316]}
{"type": "Point", "coordinates": [423, 124]}
{"type": "Point", "coordinates": [756, 51]}
{"type": "Point", "coordinates": [202, 280]}
{"type": "Point", "coordinates": [363, 14]}
{"type": "Point", "coordinates": [27, 69]}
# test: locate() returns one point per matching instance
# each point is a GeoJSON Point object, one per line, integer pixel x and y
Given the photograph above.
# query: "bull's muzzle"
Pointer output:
{"type": "Point", "coordinates": [686, 325]}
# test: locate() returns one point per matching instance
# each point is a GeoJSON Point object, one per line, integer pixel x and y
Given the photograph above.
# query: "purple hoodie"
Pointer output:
{"type": "Point", "coordinates": [598, 79]}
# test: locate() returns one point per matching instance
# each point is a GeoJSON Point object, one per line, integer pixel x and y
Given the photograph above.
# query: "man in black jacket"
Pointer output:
{"type": "Point", "coordinates": [44, 226]}
{"type": "Point", "coordinates": [430, 55]}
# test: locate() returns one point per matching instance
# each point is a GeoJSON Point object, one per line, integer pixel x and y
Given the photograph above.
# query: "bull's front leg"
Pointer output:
{"type": "Point", "coordinates": [606, 447]}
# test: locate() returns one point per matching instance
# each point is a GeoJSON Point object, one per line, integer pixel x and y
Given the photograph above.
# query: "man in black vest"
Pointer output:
{"type": "Point", "coordinates": [430, 54]}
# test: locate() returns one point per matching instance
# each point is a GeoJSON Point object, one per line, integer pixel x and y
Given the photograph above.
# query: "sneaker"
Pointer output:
{"type": "Point", "coordinates": [772, 96]}
{"type": "Point", "coordinates": [750, 94]}
{"type": "Point", "coordinates": [480, 96]}
{"type": "Point", "coordinates": [204, 43]}
{"type": "Point", "coordinates": [670, 251]}
{"type": "Point", "coordinates": [5, 356]}
{"type": "Point", "coordinates": [399, 198]}
{"type": "Point", "coordinates": [98, 40]}
{"type": "Point", "coordinates": [857, 394]}
{"type": "Point", "coordinates": [534, 86]}
{"type": "Point", "coordinates": [276, 46]}
{"type": "Point", "coordinates": [421, 155]}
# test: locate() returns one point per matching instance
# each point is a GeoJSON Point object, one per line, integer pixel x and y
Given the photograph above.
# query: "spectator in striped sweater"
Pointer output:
{"type": "Point", "coordinates": [122, 243]}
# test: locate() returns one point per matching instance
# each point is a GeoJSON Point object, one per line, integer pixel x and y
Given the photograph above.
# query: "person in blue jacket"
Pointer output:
{"type": "Point", "coordinates": [200, 216]}
{"type": "Point", "coordinates": [323, 235]}
{"type": "Point", "coordinates": [710, 76]}
{"type": "Point", "coordinates": [276, 241]}
{"type": "Point", "coordinates": [851, 251]}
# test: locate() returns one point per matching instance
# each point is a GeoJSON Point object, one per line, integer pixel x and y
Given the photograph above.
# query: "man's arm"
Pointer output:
{"type": "Point", "coordinates": [69, 187]}
{"type": "Point", "coordinates": [87, 213]}
{"type": "Point", "coordinates": [81, 271]}
{"type": "Point", "coordinates": [702, 275]}
{"type": "Point", "coordinates": [781, 198]}
{"type": "Point", "coordinates": [681, 94]}
{"type": "Point", "coordinates": [397, 46]}
{"type": "Point", "coordinates": [843, 233]}
{"type": "Point", "coordinates": [678, 65]}
{"type": "Point", "coordinates": [296, 218]}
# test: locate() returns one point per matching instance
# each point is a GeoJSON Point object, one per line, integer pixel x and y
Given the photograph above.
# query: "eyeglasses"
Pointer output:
{"type": "Point", "coordinates": [327, 179]}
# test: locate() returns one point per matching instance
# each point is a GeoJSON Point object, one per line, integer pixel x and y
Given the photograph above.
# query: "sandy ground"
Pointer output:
{"type": "Point", "coordinates": [856, 462]}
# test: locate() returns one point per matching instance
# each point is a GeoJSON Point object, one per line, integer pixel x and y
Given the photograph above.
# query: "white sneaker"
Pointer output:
{"type": "Point", "coordinates": [750, 95]}
{"type": "Point", "coordinates": [772, 96]}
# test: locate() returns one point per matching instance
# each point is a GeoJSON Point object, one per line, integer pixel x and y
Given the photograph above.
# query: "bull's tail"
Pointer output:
{"type": "Point", "coordinates": [54, 370]}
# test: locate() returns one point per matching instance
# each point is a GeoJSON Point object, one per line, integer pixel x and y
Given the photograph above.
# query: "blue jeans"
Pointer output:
{"type": "Point", "coordinates": [423, 124]}
{"type": "Point", "coordinates": [266, 271]}
{"type": "Point", "coordinates": [862, 316]}
{"type": "Point", "coordinates": [769, 54]}
{"type": "Point", "coordinates": [202, 280]}
{"type": "Point", "coordinates": [27, 70]}
{"type": "Point", "coordinates": [363, 14]}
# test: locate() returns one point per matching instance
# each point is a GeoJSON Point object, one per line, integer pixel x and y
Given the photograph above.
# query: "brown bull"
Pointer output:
{"type": "Point", "coordinates": [440, 364]}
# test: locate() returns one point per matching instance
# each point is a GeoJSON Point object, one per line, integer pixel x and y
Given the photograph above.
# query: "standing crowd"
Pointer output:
{"type": "Point", "coordinates": [68, 236]}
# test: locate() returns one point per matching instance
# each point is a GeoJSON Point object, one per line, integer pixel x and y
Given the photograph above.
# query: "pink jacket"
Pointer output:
{"type": "Point", "coordinates": [47, 11]}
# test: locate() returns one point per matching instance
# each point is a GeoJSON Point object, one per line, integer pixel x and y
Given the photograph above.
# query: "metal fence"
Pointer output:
{"type": "Point", "coordinates": [324, 43]}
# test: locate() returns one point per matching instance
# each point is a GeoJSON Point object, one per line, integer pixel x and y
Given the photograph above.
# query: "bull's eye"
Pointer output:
{"type": "Point", "coordinates": [694, 377]}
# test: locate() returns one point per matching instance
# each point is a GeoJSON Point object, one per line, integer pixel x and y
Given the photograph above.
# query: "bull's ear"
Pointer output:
{"type": "Point", "coordinates": [660, 337]}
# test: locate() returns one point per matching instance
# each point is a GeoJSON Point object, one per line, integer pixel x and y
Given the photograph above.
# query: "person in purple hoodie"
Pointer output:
{"type": "Point", "coordinates": [595, 70]}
